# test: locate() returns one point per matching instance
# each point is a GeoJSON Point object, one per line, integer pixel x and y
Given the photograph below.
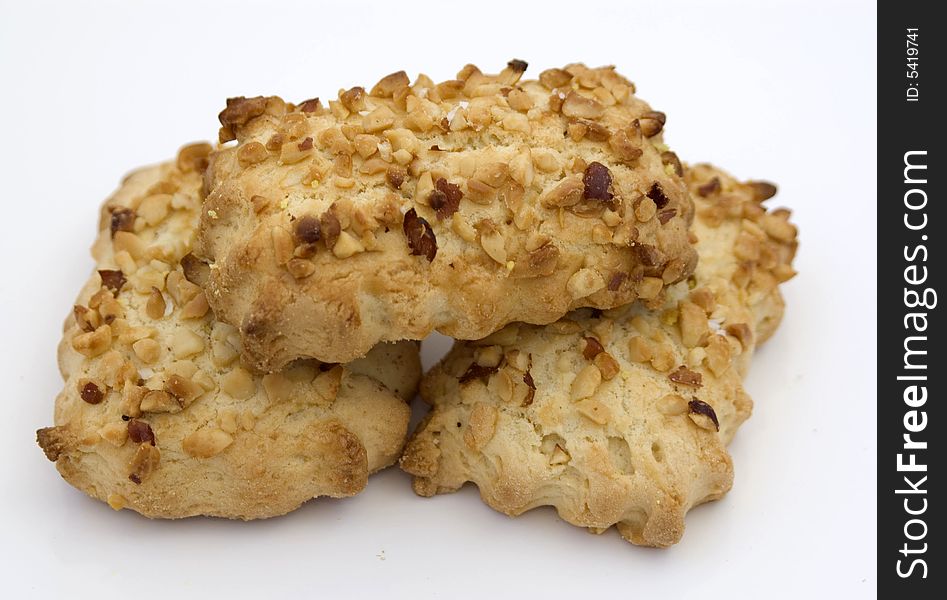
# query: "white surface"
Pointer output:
{"type": "Point", "coordinates": [781, 91]}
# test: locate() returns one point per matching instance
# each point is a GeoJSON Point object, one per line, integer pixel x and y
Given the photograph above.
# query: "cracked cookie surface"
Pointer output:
{"type": "Point", "coordinates": [617, 417]}
{"type": "Point", "coordinates": [159, 415]}
{"type": "Point", "coordinates": [460, 206]}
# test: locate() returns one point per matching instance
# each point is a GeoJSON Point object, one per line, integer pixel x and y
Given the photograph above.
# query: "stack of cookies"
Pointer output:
{"type": "Point", "coordinates": [250, 336]}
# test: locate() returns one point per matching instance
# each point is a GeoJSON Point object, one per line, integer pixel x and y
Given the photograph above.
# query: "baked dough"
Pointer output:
{"type": "Point", "coordinates": [388, 213]}
{"type": "Point", "coordinates": [159, 416]}
{"type": "Point", "coordinates": [617, 417]}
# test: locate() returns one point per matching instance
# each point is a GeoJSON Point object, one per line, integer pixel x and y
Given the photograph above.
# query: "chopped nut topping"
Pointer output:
{"type": "Point", "coordinates": [656, 193]}
{"type": "Point", "coordinates": [685, 376]}
{"type": "Point", "coordinates": [330, 228]}
{"type": "Point", "coordinates": [650, 287]}
{"type": "Point", "coordinates": [475, 371]}
{"type": "Point", "coordinates": [666, 215]}
{"type": "Point", "coordinates": [710, 188]}
{"type": "Point", "coordinates": [481, 426]}
{"type": "Point", "coordinates": [584, 282]}
{"type": "Point", "coordinates": [93, 343]}
{"type": "Point", "coordinates": [300, 268]}
{"type": "Point", "coordinates": [647, 255]}
{"type": "Point", "coordinates": [86, 319]}
{"type": "Point", "coordinates": [308, 230]}
{"type": "Point", "coordinates": [693, 323]}
{"type": "Point", "coordinates": [185, 390]}
{"type": "Point", "coordinates": [538, 263]}
{"type": "Point", "coordinates": [670, 158]}
{"type": "Point", "coordinates": [577, 105]}
{"type": "Point", "coordinates": [652, 122]}
{"type": "Point", "coordinates": [594, 410]}
{"type": "Point", "coordinates": [699, 408]}
{"type": "Point", "coordinates": [146, 460]}
{"type": "Point", "coordinates": [123, 219]}
{"type": "Point", "coordinates": [353, 99]}
{"type": "Point", "coordinates": [140, 432]}
{"type": "Point", "coordinates": [90, 392]}
{"type": "Point", "coordinates": [607, 364]}
{"type": "Point", "coordinates": [592, 348]}
{"type": "Point", "coordinates": [645, 209]}
{"type": "Point", "coordinates": [742, 332]}
{"type": "Point", "coordinates": [251, 153]}
{"type": "Point", "coordinates": [554, 78]}
{"type": "Point", "coordinates": [597, 180]}
{"type": "Point", "coordinates": [304, 145]}
{"type": "Point", "coordinates": [310, 106]}
{"type": "Point", "coordinates": [239, 111]}
{"type": "Point", "coordinates": [159, 401]}
{"type": "Point", "coordinates": [395, 176]}
{"type": "Point", "coordinates": [567, 193]}
{"type": "Point", "coordinates": [445, 199]}
{"type": "Point", "coordinates": [113, 280]}
{"type": "Point", "coordinates": [517, 65]}
{"type": "Point", "coordinates": [531, 388]}
{"type": "Point", "coordinates": [388, 84]}
{"type": "Point", "coordinates": [762, 190]}
{"type": "Point", "coordinates": [586, 382]}
{"type": "Point", "coordinates": [193, 157]}
{"type": "Point", "coordinates": [420, 236]}
{"type": "Point", "coordinates": [616, 280]}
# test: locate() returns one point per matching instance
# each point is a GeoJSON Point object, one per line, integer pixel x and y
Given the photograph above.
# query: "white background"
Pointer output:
{"type": "Point", "coordinates": [783, 91]}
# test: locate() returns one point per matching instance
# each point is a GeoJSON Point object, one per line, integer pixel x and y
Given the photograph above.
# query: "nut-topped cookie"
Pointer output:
{"type": "Point", "coordinates": [392, 211]}
{"type": "Point", "coordinates": [617, 417]}
{"type": "Point", "coordinates": [159, 415]}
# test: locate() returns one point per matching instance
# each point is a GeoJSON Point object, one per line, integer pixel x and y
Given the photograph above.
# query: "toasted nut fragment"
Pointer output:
{"type": "Point", "coordinates": [445, 198]}
{"type": "Point", "coordinates": [672, 405]}
{"type": "Point", "coordinates": [185, 342]}
{"type": "Point", "coordinates": [140, 432]}
{"type": "Point", "coordinates": [494, 245]}
{"type": "Point", "coordinates": [607, 364]}
{"type": "Point", "coordinates": [238, 383]}
{"type": "Point", "coordinates": [251, 153]}
{"type": "Point", "coordinates": [488, 356]}
{"type": "Point", "coordinates": [693, 323]}
{"type": "Point", "coordinates": [777, 228]}
{"type": "Point", "coordinates": [185, 390]}
{"type": "Point", "coordinates": [129, 242]}
{"type": "Point", "coordinates": [86, 320]}
{"type": "Point", "coordinates": [685, 376]}
{"type": "Point", "coordinates": [586, 382]}
{"type": "Point", "coordinates": [395, 176]}
{"type": "Point", "coordinates": [663, 358]}
{"type": "Point", "coordinates": [648, 255]}
{"type": "Point", "coordinates": [112, 280]}
{"type": "Point", "coordinates": [300, 268]}
{"type": "Point", "coordinates": [193, 157]}
{"type": "Point", "coordinates": [94, 343]}
{"type": "Point", "coordinates": [159, 401]}
{"type": "Point", "coordinates": [656, 193]}
{"type": "Point", "coordinates": [347, 246]}
{"type": "Point", "coordinates": [718, 354]}
{"type": "Point", "coordinates": [461, 227]}
{"type": "Point", "coordinates": [196, 308]}
{"type": "Point", "coordinates": [115, 433]}
{"type": "Point", "coordinates": [154, 208]}
{"type": "Point", "coordinates": [650, 287]}
{"type": "Point", "coordinates": [762, 190]}
{"type": "Point", "coordinates": [481, 426]}
{"type": "Point", "coordinates": [554, 78]}
{"type": "Point", "coordinates": [670, 159]}
{"type": "Point", "coordinates": [585, 282]}
{"type": "Point", "coordinates": [91, 392]}
{"type": "Point", "coordinates": [122, 219]}
{"type": "Point", "coordinates": [147, 350]}
{"type": "Point", "coordinates": [559, 456]}
{"type": "Point", "coordinates": [591, 348]}
{"type": "Point", "coordinates": [156, 305]}
{"type": "Point", "coordinates": [379, 119]}
{"type": "Point", "coordinates": [143, 463]}
{"type": "Point", "coordinates": [652, 122]}
{"type": "Point", "coordinates": [743, 333]}
{"type": "Point", "coordinates": [626, 144]}
{"type": "Point", "coordinates": [420, 236]}
{"type": "Point", "coordinates": [388, 84]}
{"type": "Point", "coordinates": [594, 410]}
{"type": "Point", "coordinates": [577, 105]}
{"type": "Point", "coordinates": [640, 349]}
{"type": "Point", "coordinates": [703, 415]}
{"type": "Point", "coordinates": [353, 99]}
{"type": "Point", "coordinates": [519, 100]}
{"type": "Point", "coordinates": [645, 209]}
{"type": "Point", "coordinates": [538, 263]}
{"type": "Point", "coordinates": [596, 181]}
{"type": "Point", "coordinates": [705, 299]}
{"type": "Point", "coordinates": [207, 442]}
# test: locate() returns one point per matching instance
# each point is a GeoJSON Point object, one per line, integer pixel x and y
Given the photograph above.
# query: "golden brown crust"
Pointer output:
{"type": "Point", "coordinates": [618, 417]}
{"type": "Point", "coordinates": [158, 415]}
{"type": "Point", "coordinates": [457, 207]}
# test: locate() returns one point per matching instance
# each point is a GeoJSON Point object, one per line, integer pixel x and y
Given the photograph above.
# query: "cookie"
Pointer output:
{"type": "Point", "coordinates": [461, 206]}
{"type": "Point", "coordinates": [617, 417]}
{"type": "Point", "coordinates": [158, 414]}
